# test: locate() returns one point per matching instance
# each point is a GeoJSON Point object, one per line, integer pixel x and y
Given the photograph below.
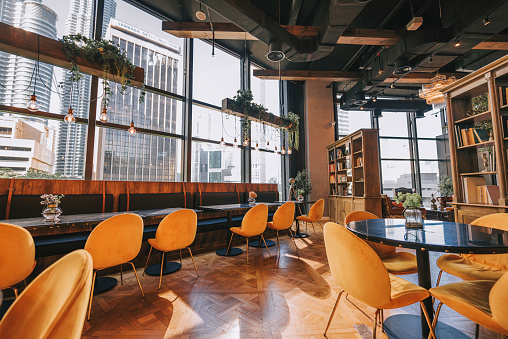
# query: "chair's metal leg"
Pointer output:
{"type": "Point", "coordinates": [265, 245]}
{"type": "Point", "coordinates": [150, 252]}
{"type": "Point", "coordinates": [434, 322]}
{"type": "Point", "coordinates": [15, 290]}
{"type": "Point", "coordinates": [375, 324]}
{"type": "Point", "coordinates": [247, 240]}
{"type": "Point", "coordinates": [477, 332]}
{"type": "Point", "coordinates": [91, 294]}
{"type": "Point", "coordinates": [432, 334]}
{"type": "Point", "coordinates": [294, 241]}
{"type": "Point", "coordinates": [24, 282]}
{"type": "Point", "coordinates": [278, 244]}
{"type": "Point", "coordinates": [313, 229]}
{"type": "Point", "coordinates": [121, 275]}
{"type": "Point", "coordinates": [160, 277]}
{"type": "Point", "coordinates": [229, 245]}
{"type": "Point", "coordinates": [333, 311]}
{"type": "Point", "coordinates": [180, 256]}
{"type": "Point", "coordinates": [137, 278]}
{"type": "Point", "coordinates": [439, 277]}
{"type": "Point", "coordinates": [382, 321]}
{"type": "Point", "coordinates": [190, 252]}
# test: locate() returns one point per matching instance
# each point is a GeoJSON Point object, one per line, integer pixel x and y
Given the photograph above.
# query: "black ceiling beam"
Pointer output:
{"type": "Point", "coordinates": [393, 106]}
{"type": "Point", "coordinates": [294, 11]}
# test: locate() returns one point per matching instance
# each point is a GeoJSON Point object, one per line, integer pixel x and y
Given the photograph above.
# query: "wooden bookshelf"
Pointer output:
{"type": "Point", "coordinates": [358, 152]}
{"type": "Point", "coordinates": [475, 158]}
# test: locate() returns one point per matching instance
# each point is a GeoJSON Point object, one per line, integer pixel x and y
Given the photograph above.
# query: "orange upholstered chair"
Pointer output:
{"type": "Point", "coordinates": [398, 263]}
{"type": "Point", "coordinates": [315, 214]}
{"type": "Point", "coordinates": [359, 271]}
{"type": "Point", "coordinates": [483, 301]}
{"type": "Point", "coordinates": [54, 304]}
{"type": "Point", "coordinates": [113, 242]}
{"type": "Point", "coordinates": [478, 266]}
{"type": "Point", "coordinates": [176, 231]}
{"type": "Point", "coordinates": [253, 223]}
{"type": "Point", "coordinates": [17, 255]}
{"type": "Point", "coordinates": [282, 220]}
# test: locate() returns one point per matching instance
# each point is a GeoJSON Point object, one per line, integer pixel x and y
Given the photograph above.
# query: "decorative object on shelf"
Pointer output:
{"type": "Point", "coordinates": [252, 198]}
{"type": "Point", "coordinates": [430, 92]}
{"type": "Point", "coordinates": [51, 212]}
{"type": "Point", "coordinates": [412, 213]}
{"type": "Point", "coordinates": [445, 188]}
{"type": "Point", "coordinates": [302, 184]}
{"type": "Point", "coordinates": [433, 205]}
{"type": "Point", "coordinates": [485, 162]}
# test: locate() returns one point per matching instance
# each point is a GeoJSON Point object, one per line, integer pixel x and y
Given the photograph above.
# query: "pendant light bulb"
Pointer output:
{"type": "Point", "coordinates": [246, 142]}
{"type": "Point", "coordinates": [289, 150]}
{"type": "Point", "coordinates": [267, 143]}
{"type": "Point", "coordinates": [104, 115]}
{"type": "Point", "coordinates": [257, 146]}
{"type": "Point", "coordinates": [32, 105]}
{"type": "Point", "coordinates": [276, 150]}
{"type": "Point", "coordinates": [283, 150]}
{"type": "Point", "coordinates": [69, 118]}
{"type": "Point", "coordinates": [222, 143]}
{"type": "Point", "coordinates": [235, 143]}
{"type": "Point", "coordinates": [131, 129]}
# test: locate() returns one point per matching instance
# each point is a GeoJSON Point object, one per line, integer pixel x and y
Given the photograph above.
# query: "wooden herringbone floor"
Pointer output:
{"type": "Point", "coordinates": [273, 297]}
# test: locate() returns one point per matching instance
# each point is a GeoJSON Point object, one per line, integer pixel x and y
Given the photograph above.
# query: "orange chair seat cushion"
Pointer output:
{"type": "Point", "coordinates": [305, 218]}
{"type": "Point", "coordinates": [270, 225]}
{"type": "Point", "coordinates": [467, 269]}
{"type": "Point", "coordinates": [404, 293]}
{"type": "Point", "coordinates": [400, 263]}
{"type": "Point", "coordinates": [471, 299]}
{"type": "Point", "coordinates": [238, 230]}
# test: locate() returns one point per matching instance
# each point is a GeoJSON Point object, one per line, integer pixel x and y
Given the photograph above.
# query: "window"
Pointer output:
{"type": "Point", "coordinates": [393, 124]}
{"type": "Point", "coordinates": [266, 93]}
{"type": "Point", "coordinates": [214, 163]}
{"type": "Point", "coordinates": [351, 121]}
{"type": "Point", "coordinates": [212, 125]}
{"type": "Point", "coordinates": [395, 174]}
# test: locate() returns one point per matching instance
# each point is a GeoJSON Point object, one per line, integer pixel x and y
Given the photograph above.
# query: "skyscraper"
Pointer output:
{"type": "Point", "coordinates": [143, 157]}
{"type": "Point", "coordinates": [71, 139]}
{"type": "Point", "coordinates": [17, 73]}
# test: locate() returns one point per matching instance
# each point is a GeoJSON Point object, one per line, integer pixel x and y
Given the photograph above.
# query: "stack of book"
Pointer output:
{"type": "Point", "coordinates": [475, 191]}
{"type": "Point", "coordinates": [332, 179]}
{"type": "Point", "coordinates": [503, 95]}
{"type": "Point", "coordinates": [331, 168]}
{"type": "Point", "coordinates": [468, 135]}
{"type": "Point", "coordinates": [359, 162]}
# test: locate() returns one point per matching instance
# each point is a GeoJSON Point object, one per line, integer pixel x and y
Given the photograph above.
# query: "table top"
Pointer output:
{"type": "Point", "coordinates": [90, 218]}
{"type": "Point", "coordinates": [237, 207]}
{"type": "Point", "coordinates": [434, 236]}
{"type": "Point", "coordinates": [295, 201]}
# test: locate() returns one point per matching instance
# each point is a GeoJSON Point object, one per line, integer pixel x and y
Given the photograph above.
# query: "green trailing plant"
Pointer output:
{"type": "Point", "coordinates": [106, 53]}
{"type": "Point", "coordinates": [302, 183]}
{"type": "Point", "coordinates": [409, 200]}
{"type": "Point", "coordinates": [445, 186]}
{"type": "Point", "coordinates": [32, 173]}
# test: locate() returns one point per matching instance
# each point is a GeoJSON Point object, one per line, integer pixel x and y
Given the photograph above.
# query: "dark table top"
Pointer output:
{"type": "Point", "coordinates": [434, 236]}
{"type": "Point", "coordinates": [237, 207]}
{"type": "Point", "coordinates": [295, 201]}
{"type": "Point", "coordinates": [90, 218]}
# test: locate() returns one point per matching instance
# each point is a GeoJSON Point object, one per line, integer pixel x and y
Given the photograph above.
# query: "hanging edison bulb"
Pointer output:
{"type": "Point", "coordinates": [222, 143]}
{"type": "Point", "coordinates": [246, 142]}
{"type": "Point", "coordinates": [267, 144]}
{"type": "Point", "coordinates": [235, 143]}
{"type": "Point", "coordinates": [289, 150]}
{"type": "Point", "coordinates": [131, 129]}
{"type": "Point", "coordinates": [69, 118]}
{"type": "Point", "coordinates": [32, 105]}
{"type": "Point", "coordinates": [283, 150]}
{"type": "Point", "coordinates": [257, 146]}
{"type": "Point", "coordinates": [276, 150]}
{"type": "Point", "coordinates": [104, 115]}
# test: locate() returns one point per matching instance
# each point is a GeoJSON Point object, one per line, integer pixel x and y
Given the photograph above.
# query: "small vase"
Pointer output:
{"type": "Point", "coordinates": [299, 198]}
{"type": "Point", "coordinates": [414, 218]}
{"type": "Point", "coordinates": [252, 201]}
{"type": "Point", "coordinates": [51, 213]}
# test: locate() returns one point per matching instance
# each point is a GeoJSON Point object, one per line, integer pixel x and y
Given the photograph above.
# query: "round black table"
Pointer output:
{"type": "Point", "coordinates": [440, 236]}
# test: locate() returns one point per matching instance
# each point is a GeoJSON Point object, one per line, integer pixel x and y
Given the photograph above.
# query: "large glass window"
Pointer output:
{"type": "Point", "coordinates": [212, 125]}
{"type": "Point", "coordinates": [266, 93]}
{"type": "Point", "coordinates": [215, 163]}
{"type": "Point", "coordinates": [396, 174]}
{"type": "Point", "coordinates": [351, 121]}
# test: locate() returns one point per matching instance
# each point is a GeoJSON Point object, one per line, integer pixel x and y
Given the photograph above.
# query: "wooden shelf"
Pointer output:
{"type": "Point", "coordinates": [343, 170]}
{"type": "Point", "coordinates": [474, 118]}
{"type": "Point", "coordinates": [359, 181]}
{"type": "Point", "coordinates": [503, 107]}
{"type": "Point", "coordinates": [357, 152]}
{"type": "Point", "coordinates": [342, 158]}
{"type": "Point", "coordinates": [477, 173]}
{"type": "Point", "coordinates": [476, 205]}
{"type": "Point", "coordinates": [480, 144]}
{"type": "Point", "coordinates": [358, 166]}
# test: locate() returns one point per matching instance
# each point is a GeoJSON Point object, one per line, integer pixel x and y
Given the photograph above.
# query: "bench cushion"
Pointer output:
{"type": "Point", "coordinates": [154, 201]}
{"type": "Point", "coordinates": [217, 198]}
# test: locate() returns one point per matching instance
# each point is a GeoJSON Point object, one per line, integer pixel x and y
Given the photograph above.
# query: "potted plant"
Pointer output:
{"type": "Point", "coordinates": [51, 212]}
{"type": "Point", "coordinates": [252, 198]}
{"type": "Point", "coordinates": [445, 188]}
{"type": "Point", "coordinates": [411, 202]}
{"type": "Point", "coordinates": [302, 184]}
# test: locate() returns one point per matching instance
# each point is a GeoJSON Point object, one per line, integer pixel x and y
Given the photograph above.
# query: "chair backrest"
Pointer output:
{"type": "Point", "coordinates": [116, 240]}
{"type": "Point", "coordinates": [177, 230]}
{"type": "Point", "coordinates": [380, 249]}
{"type": "Point", "coordinates": [254, 221]}
{"type": "Point", "coordinates": [17, 254]}
{"type": "Point", "coordinates": [356, 267]}
{"type": "Point", "coordinates": [495, 220]}
{"type": "Point", "coordinates": [402, 190]}
{"type": "Point", "coordinates": [317, 210]}
{"type": "Point", "coordinates": [498, 300]}
{"type": "Point", "coordinates": [284, 216]}
{"type": "Point", "coordinates": [54, 305]}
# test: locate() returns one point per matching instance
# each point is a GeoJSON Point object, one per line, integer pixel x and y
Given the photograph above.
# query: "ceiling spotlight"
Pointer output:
{"type": "Point", "coordinates": [402, 66]}
{"type": "Point", "coordinates": [430, 60]}
{"type": "Point", "coordinates": [200, 14]}
{"type": "Point", "coordinates": [486, 21]}
{"type": "Point", "coordinates": [289, 150]}
{"type": "Point", "coordinates": [361, 108]}
{"type": "Point", "coordinates": [457, 43]}
{"type": "Point", "coordinates": [374, 99]}
{"type": "Point", "coordinates": [392, 86]}
{"type": "Point", "coordinates": [380, 71]}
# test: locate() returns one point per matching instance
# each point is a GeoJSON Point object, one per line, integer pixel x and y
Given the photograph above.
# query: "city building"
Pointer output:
{"type": "Point", "coordinates": [121, 156]}
{"type": "Point", "coordinates": [70, 146]}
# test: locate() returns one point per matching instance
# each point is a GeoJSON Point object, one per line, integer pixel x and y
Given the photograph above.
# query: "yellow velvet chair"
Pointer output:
{"type": "Point", "coordinates": [176, 231]}
{"type": "Point", "coordinates": [477, 266]}
{"type": "Point", "coordinates": [483, 301]}
{"type": "Point", "coordinates": [113, 242]}
{"type": "Point", "coordinates": [282, 220]}
{"type": "Point", "coordinates": [398, 263]}
{"type": "Point", "coordinates": [253, 223]}
{"type": "Point", "coordinates": [17, 256]}
{"type": "Point", "coordinates": [315, 214]}
{"type": "Point", "coordinates": [359, 271]}
{"type": "Point", "coordinates": [54, 304]}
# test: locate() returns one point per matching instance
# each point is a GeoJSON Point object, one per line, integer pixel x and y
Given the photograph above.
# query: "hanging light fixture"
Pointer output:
{"type": "Point", "coordinates": [289, 150]}
{"type": "Point", "coordinates": [276, 150]}
{"type": "Point", "coordinates": [200, 14]}
{"type": "Point", "coordinates": [246, 142]}
{"type": "Point", "coordinates": [431, 92]}
{"type": "Point", "coordinates": [235, 143]}
{"type": "Point", "coordinates": [104, 115]}
{"type": "Point", "coordinates": [70, 118]}
{"type": "Point", "coordinates": [267, 143]}
{"type": "Point", "coordinates": [32, 105]}
{"type": "Point", "coordinates": [222, 143]}
{"type": "Point", "coordinates": [257, 146]}
{"type": "Point", "coordinates": [283, 150]}
{"type": "Point", "coordinates": [131, 129]}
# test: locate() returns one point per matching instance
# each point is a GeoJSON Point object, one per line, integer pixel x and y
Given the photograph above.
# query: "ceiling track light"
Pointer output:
{"type": "Point", "coordinates": [457, 43]}
{"type": "Point", "coordinates": [200, 14]}
{"type": "Point", "coordinates": [486, 21]}
{"type": "Point", "coordinates": [430, 60]}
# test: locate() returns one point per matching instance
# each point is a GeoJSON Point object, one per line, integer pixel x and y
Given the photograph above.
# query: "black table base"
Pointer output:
{"type": "Point", "coordinates": [168, 268]}
{"type": "Point", "coordinates": [232, 251]}
{"type": "Point", "coordinates": [297, 233]}
{"type": "Point", "coordinates": [103, 284]}
{"type": "Point", "coordinates": [407, 326]}
{"type": "Point", "coordinates": [259, 243]}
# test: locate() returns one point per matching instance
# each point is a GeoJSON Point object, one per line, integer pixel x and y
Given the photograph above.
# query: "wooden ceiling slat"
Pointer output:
{"type": "Point", "coordinates": [497, 42]}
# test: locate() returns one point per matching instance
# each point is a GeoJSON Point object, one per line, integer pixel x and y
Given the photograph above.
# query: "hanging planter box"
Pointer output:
{"type": "Point", "coordinates": [268, 119]}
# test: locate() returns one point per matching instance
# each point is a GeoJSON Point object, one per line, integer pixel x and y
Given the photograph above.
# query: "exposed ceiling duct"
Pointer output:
{"type": "Point", "coordinates": [340, 13]}
{"type": "Point", "coordinates": [275, 52]}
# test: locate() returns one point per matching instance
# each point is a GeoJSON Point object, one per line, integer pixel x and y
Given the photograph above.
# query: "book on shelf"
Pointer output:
{"type": "Point", "coordinates": [342, 178]}
{"type": "Point", "coordinates": [332, 179]}
{"type": "Point", "coordinates": [331, 168]}
{"type": "Point", "coordinates": [487, 194]}
{"type": "Point", "coordinates": [503, 95]}
{"type": "Point", "coordinates": [468, 135]}
{"type": "Point", "coordinates": [359, 161]}
{"type": "Point", "coordinates": [469, 185]}
{"type": "Point", "coordinates": [332, 190]}
{"type": "Point", "coordinates": [330, 156]}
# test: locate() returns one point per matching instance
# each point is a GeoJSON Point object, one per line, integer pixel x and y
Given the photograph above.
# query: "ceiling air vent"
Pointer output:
{"type": "Point", "coordinates": [275, 52]}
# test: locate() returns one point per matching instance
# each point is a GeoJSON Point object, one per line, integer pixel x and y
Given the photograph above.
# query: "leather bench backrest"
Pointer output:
{"type": "Point", "coordinates": [150, 201]}
{"type": "Point", "coordinates": [217, 198]}
{"type": "Point", "coordinates": [265, 196]}
{"type": "Point", "coordinates": [3, 206]}
{"type": "Point", "coordinates": [29, 206]}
